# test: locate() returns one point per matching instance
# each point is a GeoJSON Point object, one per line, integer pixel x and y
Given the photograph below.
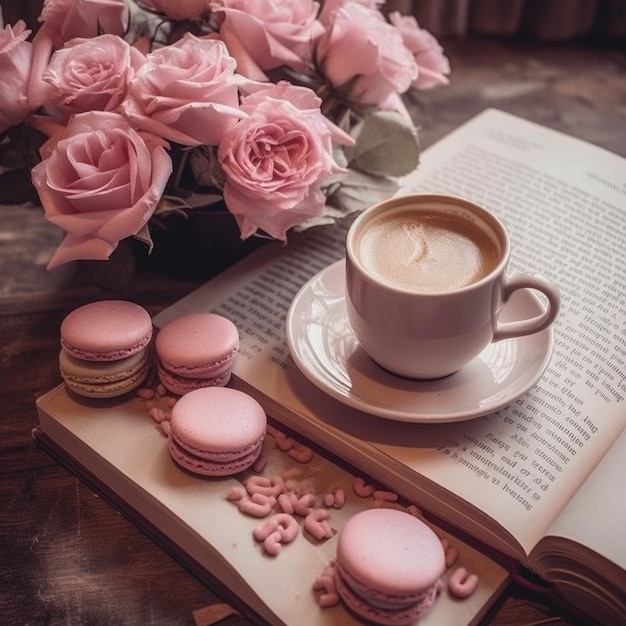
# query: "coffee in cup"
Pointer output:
{"type": "Point", "coordinates": [427, 252]}
{"type": "Point", "coordinates": [425, 284]}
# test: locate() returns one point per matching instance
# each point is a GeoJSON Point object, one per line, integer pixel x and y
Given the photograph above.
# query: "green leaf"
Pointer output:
{"type": "Point", "coordinates": [170, 204]}
{"type": "Point", "coordinates": [198, 200]}
{"type": "Point", "coordinates": [386, 145]}
{"type": "Point", "coordinates": [359, 191]}
{"type": "Point", "coordinates": [145, 237]}
{"type": "Point", "coordinates": [206, 170]}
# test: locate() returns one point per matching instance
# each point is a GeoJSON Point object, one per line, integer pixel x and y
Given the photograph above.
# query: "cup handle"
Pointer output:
{"type": "Point", "coordinates": [521, 328]}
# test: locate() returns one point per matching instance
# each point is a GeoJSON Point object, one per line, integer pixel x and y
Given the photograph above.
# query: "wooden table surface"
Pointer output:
{"type": "Point", "coordinates": [66, 556]}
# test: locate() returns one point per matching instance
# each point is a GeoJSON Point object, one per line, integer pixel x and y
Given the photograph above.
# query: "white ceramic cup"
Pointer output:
{"type": "Point", "coordinates": [425, 284]}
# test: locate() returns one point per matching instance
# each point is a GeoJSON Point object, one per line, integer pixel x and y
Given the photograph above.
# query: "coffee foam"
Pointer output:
{"type": "Point", "coordinates": [426, 251]}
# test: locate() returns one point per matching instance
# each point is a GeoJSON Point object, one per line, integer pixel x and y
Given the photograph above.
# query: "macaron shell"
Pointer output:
{"type": "Point", "coordinates": [205, 467]}
{"type": "Point", "coordinates": [104, 379]}
{"type": "Point", "coordinates": [385, 616]}
{"type": "Point", "coordinates": [181, 385]}
{"type": "Point", "coordinates": [391, 552]}
{"type": "Point", "coordinates": [106, 330]}
{"type": "Point", "coordinates": [197, 345]}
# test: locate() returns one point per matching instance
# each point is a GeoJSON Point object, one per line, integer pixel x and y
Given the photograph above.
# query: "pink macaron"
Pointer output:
{"type": "Point", "coordinates": [216, 431]}
{"type": "Point", "coordinates": [196, 351]}
{"type": "Point", "coordinates": [388, 566]}
{"type": "Point", "coordinates": [106, 330]}
{"type": "Point", "coordinates": [105, 348]}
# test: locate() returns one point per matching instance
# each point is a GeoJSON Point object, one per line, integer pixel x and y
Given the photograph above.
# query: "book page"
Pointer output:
{"type": "Point", "coordinates": [117, 441]}
{"type": "Point", "coordinates": [585, 521]}
{"type": "Point", "coordinates": [589, 504]}
{"type": "Point", "coordinates": [522, 464]}
{"type": "Point", "coordinates": [563, 202]}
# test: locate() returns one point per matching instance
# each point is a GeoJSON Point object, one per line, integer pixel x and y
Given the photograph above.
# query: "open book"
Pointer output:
{"type": "Point", "coordinates": [535, 483]}
{"type": "Point", "coordinates": [539, 482]}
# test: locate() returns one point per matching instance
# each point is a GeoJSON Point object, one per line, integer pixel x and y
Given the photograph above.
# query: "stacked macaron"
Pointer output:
{"type": "Point", "coordinates": [216, 431]}
{"type": "Point", "coordinates": [388, 566]}
{"type": "Point", "coordinates": [195, 351]}
{"type": "Point", "coordinates": [105, 348]}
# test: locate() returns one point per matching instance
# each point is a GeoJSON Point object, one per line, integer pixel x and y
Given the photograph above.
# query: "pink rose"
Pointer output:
{"type": "Point", "coordinates": [15, 62]}
{"type": "Point", "coordinates": [330, 6]}
{"type": "Point", "coordinates": [432, 64]}
{"type": "Point", "coordinates": [91, 74]}
{"type": "Point", "coordinates": [100, 183]}
{"type": "Point", "coordinates": [65, 19]}
{"type": "Point", "coordinates": [186, 92]}
{"type": "Point", "coordinates": [362, 52]}
{"type": "Point", "coordinates": [178, 9]}
{"type": "Point", "coordinates": [276, 160]}
{"type": "Point", "coordinates": [265, 34]}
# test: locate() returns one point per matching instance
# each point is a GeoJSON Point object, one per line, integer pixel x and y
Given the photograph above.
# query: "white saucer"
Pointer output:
{"type": "Point", "coordinates": [326, 351]}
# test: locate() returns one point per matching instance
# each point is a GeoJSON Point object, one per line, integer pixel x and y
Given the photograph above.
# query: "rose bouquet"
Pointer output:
{"type": "Point", "coordinates": [289, 113]}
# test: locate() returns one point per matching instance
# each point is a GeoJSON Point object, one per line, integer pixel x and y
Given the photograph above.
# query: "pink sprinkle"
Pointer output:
{"type": "Point", "coordinates": [161, 390]}
{"type": "Point", "coordinates": [286, 503]}
{"type": "Point", "coordinates": [259, 464]}
{"type": "Point", "coordinates": [328, 600]}
{"type": "Point", "coordinates": [340, 498]}
{"type": "Point", "coordinates": [261, 498]}
{"type": "Point", "coordinates": [272, 544]}
{"type": "Point", "coordinates": [145, 393]}
{"type": "Point", "coordinates": [157, 414]}
{"type": "Point", "coordinates": [257, 505]}
{"type": "Point", "coordinates": [264, 531]}
{"type": "Point", "coordinates": [284, 443]}
{"type": "Point", "coordinates": [414, 510]}
{"type": "Point", "coordinates": [300, 453]}
{"type": "Point", "coordinates": [316, 524]}
{"type": "Point", "coordinates": [286, 526]}
{"type": "Point", "coordinates": [279, 529]}
{"type": "Point", "coordinates": [336, 499]}
{"type": "Point", "coordinates": [326, 583]}
{"type": "Point", "coordinates": [267, 486]}
{"type": "Point", "coordinates": [171, 401]}
{"type": "Point", "coordinates": [257, 484]}
{"type": "Point", "coordinates": [236, 493]}
{"type": "Point", "coordinates": [304, 504]}
{"type": "Point", "coordinates": [462, 584]}
{"type": "Point", "coordinates": [165, 427]}
{"type": "Point", "coordinates": [385, 496]}
{"type": "Point", "coordinates": [382, 504]}
{"type": "Point", "coordinates": [361, 489]}
{"type": "Point", "coordinates": [452, 554]}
